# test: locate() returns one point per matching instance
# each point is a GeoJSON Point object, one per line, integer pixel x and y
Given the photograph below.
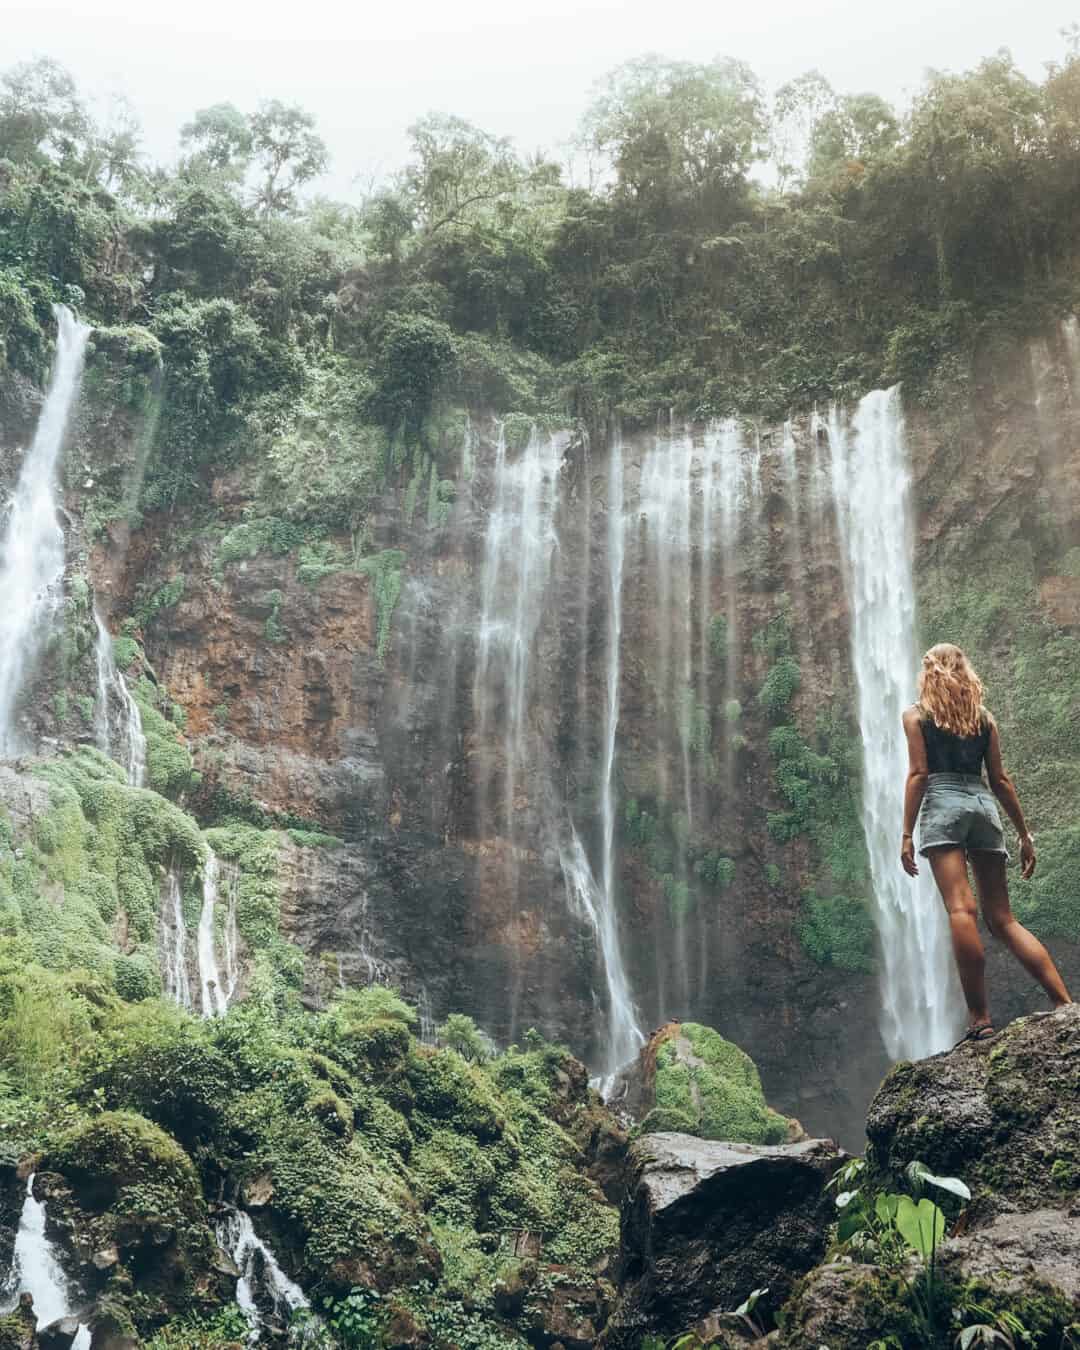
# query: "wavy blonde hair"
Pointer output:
{"type": "Point", "coordinates": [950, 692]}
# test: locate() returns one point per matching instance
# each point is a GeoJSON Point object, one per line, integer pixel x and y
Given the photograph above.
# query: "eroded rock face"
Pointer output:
{"type": "Point", "coordinates": [1003, 1115]}
{"type": "Point", "coordinates": [705, 1223]}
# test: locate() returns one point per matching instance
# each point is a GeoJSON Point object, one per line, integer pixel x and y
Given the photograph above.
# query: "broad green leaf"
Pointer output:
{"type": "Point", "coordinates": [885, 1207]}
{"type": "Point", "coordinates": [845, 1198]}
{"type": "Point", "coordinates": [952, 1184]}
{"type": "Point", "coordinates": [849, 1225]}
{"type": "Point", "coordinates": [751, 1303]}
{"type": "Point", "coordinates": [922, 1225]}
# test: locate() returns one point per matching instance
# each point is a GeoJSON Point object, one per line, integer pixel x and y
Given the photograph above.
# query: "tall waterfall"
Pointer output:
{"type": "Point", "coordinates": [624, 1034]}
{"type": "Point", "coordinates": [112, 687]}
{"type": "Point", "coordinates": [518, 549]}
{"type": "Point", "coordinates": [217, 986]}
{"type": "Point", "coordinates": [32, 552]}
{"type": "Point", "coordinates": [920, 1012]}
{"type": "Point", "coordinates": [263, 1286]}
{"type": "Point", "coordinates": [37, 1272]}
{"type": "Point", "coordinates": [174, 935]}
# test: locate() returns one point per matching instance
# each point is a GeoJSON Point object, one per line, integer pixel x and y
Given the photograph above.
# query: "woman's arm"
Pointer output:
{"type": "Point", "coordinates": [1003, 788]}
{"type": "Point", "coordinates": [914, 788]}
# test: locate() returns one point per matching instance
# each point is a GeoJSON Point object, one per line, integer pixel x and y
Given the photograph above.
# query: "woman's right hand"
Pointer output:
{"type": "Point", "coordinates": [907, 856]}
{"type": "Point", "coordinates": [1027, 857]}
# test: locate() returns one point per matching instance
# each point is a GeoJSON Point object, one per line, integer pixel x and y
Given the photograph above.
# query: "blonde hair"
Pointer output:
{"type": "Point", "coordinates": [950, 692]}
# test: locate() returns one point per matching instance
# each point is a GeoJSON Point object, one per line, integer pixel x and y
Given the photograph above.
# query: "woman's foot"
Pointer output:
{"type": "Point", "coordinates": [981, 1031]}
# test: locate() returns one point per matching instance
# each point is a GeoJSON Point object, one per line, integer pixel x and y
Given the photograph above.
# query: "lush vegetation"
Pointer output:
{"type": "Point", "coordinates": [324, 339]}
{"type": "Point", "coordinates": [380, 1163]}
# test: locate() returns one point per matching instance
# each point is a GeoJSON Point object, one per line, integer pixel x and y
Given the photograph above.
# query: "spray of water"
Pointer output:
{"type": "Point", "coordinates": [32, 551]}
{"type": "Point", "coordinates": [37, 1271]}
{"type": "Point", "coordinates": [174, 944]}
{"type": "Point", "coordinates": [263, 1286]}
{"type": "Point", "coordinates": [123, 733]}
{"type": "Point", "coordinates": [870, 483]}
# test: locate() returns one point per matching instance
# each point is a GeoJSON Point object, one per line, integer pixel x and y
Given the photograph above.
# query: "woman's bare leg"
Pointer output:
{"type": "Point", "coordinates": [949, 867]}
{"type": "Point", "coordinates": [993, 886]}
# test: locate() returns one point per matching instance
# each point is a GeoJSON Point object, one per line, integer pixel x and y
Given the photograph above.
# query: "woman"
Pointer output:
{"type": "Point", "coordinates": [950, 736]}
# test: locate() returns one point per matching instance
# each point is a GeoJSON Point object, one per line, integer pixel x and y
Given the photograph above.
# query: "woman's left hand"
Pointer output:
{"type": "Point", "coordinates": [907, 856]}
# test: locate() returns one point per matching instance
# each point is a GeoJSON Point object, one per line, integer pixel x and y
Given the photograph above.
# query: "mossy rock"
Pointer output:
{"type": "Point", "coordinates": [118, 1151]}
{"type": "Point", "coordinates": [706, 1086]}
{"type": "Point", "coordinates": [847, 1307]}
{"type": "Point", "coordinates": [1002, 1116]}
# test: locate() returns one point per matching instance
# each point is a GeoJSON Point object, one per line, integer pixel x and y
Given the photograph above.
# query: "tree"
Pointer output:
{"type": "Point", "coordinates": [798, 107]}
{"type": "Point", "coordinates": [457, 171]}
{"type": "Point", "coordinates": [855, 130]}
{"type": "Point", "coordinates": [42, 116]}
{"type": "Point", "coordinates": [221, 136]}
{"type": "Point", "coordinates": [289, 153]}
{"type": "Point", "coordinates": [672, 127]}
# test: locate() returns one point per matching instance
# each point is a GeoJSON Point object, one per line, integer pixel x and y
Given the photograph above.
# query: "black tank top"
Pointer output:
{"type": "Point", "coordinates": [949, 753]}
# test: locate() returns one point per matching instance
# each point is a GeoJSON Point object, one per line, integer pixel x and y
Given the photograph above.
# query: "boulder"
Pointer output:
{"type": "Point", "coordinates": [1002, 1115]}
{"type": "Point", "coordinates": [704, 1223]}
{"type": "Point", "coordinates": [689, 1079]}
{"type": "Point", "coordinates": [847, 1307]}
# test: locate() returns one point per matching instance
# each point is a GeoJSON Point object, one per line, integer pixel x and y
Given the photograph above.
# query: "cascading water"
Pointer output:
{"type": "Point", "coordinates": [599, 904]}
{"type": "Point", "coordinates": [519, 545]}
{"type": "Point", "coordinates": [625, 1035]}
{"type": "Point", "coordinates": [112, 685]}
{"type": "Point", "coordinates": [174, 935]}
{"type": "Point", "coordinates": [215, 990]}
{"type": "Point", "coordinates": [37, 1272]}
{"type": "Point", "coordinates": [32, 553]}
{"type": "Point", "coordinates": [263, 1287]}
{"type": "Point", "coordinates": [920, 1012]}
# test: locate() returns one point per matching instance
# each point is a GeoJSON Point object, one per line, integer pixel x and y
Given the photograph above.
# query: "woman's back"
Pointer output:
{"type": "Point", "coordinates": [946, 752]}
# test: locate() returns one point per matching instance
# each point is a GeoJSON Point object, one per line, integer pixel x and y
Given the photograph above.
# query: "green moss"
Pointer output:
{"type": "Point", "coordinates": [149, 605]}
{"type": "Point", "coordinates": [664, 1119]}
{"type": "Point", "coordinates": [267, 534]}
{"type": "Point", "coordinates": [120, 1149]}
{"type": "Point", "coordinates": [384, 570]}
{"type": "Point", "coordinates": [715, 1086]}
{"type": "Point", "coordinates": [99, 852]}
{"type": "Point", "coordinates": [254, 853]}
{"type": "Point", "coordinates": [838, 931]}
{"type": "Point", "coordinates": [169, 767]}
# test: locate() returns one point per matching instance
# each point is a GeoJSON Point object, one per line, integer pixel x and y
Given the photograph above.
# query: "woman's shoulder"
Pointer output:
{"type": "Point", "coordinates": [913, 715]}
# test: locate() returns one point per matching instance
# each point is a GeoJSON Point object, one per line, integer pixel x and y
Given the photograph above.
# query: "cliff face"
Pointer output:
{"type": "Point", "coordinates": [435, 694]}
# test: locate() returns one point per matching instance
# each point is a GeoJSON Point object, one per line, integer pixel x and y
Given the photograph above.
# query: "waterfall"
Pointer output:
{"type": "Point", "coordinates": [110, 683]}
{"type": "Point", "coordinates": [588, 900]}
{"type": "Point", "coordinates": [262, 1284]}
{"type": "Point", "coordinates": [217, 991]}
{"type": "Point", "coordinates": [1070, 328]}
{"type": "Point", "coordinates": [624, 1034]}
{"type": "Point", "coordinates": [428, 1031]}
{"type": "Point", "coordinates": [37, 1271]}
{"type": "Point", "coordinates": [32, 552]}
{"type": "Point", "coordinates": [174, 944]}
{"type": "Point", "coordinates": [519, 545]}
{"type": "Point", "coordinates": [870, 486]}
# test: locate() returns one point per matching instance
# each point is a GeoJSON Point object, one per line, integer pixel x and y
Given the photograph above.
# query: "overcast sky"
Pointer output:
{"type": "Point", "coordinates": [522, 68]}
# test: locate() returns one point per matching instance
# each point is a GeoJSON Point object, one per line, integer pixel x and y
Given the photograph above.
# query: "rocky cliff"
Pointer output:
{"type": "Point", "coordinates": [429, 699]}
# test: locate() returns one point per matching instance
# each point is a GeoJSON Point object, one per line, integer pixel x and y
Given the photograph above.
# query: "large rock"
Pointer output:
{"type": "Point", "coordinates": [1003, 1116]}
{"type": "Point", "coordinates": [705, 1223]}
{"type": "Point", "coordinates": [689, 1079]}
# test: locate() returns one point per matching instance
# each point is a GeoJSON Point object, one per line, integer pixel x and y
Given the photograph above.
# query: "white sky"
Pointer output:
{"type": "Point", "coordinates": [522, 68]}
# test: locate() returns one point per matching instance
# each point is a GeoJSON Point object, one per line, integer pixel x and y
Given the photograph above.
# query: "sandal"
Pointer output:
{"type": "Point", "coordinates": [985, 1031]}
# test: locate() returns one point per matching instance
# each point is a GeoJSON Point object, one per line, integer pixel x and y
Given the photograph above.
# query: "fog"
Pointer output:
{"type": "Point", "coordinates": [523, 69]}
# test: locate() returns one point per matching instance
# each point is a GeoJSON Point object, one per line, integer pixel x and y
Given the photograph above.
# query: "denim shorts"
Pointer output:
{"type": "Point", "coordinates": [959, 811]}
